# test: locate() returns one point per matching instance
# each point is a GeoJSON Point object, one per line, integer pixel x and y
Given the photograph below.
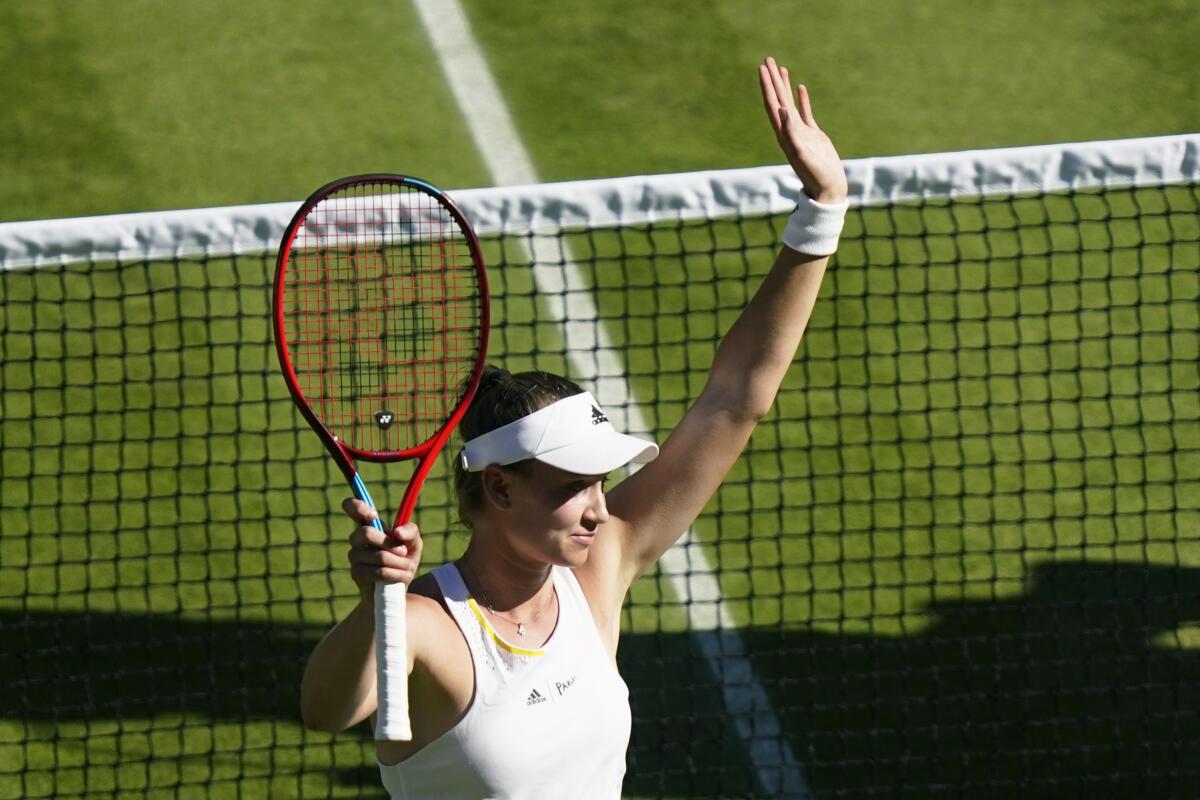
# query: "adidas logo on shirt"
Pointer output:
{"type": "Point", "coordinates": [535, 697]}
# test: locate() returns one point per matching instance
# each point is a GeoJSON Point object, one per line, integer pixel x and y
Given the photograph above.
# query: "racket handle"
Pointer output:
{"type": "Point", "coordinates": [391, 649]}
{"type": "Point", "coordinates": [391, 663]}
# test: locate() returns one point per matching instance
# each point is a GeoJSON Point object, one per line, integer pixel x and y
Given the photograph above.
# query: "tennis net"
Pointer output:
{"type": "Point", "coordinates": [960, 558]}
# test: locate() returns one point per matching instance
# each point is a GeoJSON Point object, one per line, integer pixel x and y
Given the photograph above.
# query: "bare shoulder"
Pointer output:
{"type": "Point", "coordinates": [429, 622]}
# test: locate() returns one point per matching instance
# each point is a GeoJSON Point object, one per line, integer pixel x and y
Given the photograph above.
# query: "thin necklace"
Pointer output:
{"type": "Point", "coordinates": [488, 603]}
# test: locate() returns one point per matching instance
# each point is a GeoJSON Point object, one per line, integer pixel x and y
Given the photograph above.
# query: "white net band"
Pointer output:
{"type": "Point", "coordinates": [238, 230]}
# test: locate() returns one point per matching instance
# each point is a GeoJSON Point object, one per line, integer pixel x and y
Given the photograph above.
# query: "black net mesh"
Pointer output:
{"type": "Point", "coordinates": [961, 558]}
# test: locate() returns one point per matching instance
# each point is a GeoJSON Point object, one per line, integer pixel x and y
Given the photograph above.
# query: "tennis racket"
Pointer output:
{"type": "Point", "coordinates": [381, 326]}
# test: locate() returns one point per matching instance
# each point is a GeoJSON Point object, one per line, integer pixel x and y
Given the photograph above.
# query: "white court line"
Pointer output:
{"type": "Point", "coordinates": [562, 288]}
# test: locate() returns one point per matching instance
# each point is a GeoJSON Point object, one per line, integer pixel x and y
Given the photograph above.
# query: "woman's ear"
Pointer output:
{"type": "Point", "coordinates": [496, 486]}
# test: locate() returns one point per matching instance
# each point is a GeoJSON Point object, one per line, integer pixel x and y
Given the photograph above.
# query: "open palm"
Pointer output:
{"type": "Point", "coordinates": [809, 151]}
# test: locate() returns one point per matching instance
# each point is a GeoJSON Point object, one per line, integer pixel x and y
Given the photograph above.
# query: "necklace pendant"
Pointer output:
{"type": "Point", "coordinates": [520, 629]}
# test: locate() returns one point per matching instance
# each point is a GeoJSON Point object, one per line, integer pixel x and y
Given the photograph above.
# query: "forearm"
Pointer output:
{"type": "Point", "coordinates": [338, 689]}
{"type": "Point", "coordinates": [756, 353]}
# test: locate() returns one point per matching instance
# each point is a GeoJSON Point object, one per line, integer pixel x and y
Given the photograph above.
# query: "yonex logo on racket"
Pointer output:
{"type": "Point", "coordinates": [384, 419]}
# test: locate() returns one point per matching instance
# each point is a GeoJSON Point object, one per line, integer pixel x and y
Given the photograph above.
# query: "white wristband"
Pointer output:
{"type": "Point", "coordinates": [814, 228]}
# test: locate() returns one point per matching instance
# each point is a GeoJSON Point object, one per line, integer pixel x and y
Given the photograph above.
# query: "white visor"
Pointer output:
{"type": "Point", "coordinates": [572, 434]}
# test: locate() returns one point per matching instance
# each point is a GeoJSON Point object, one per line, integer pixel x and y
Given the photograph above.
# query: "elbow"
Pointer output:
{"type": "Point", "coordinates": [315, 719]}
{"type": "Point", "coordinates": [751, 414]}
{"type": "Point", "coordinates": [748, 394]}
{"type": "Point", "coordinates": [754, 406]}
{"type": "Point", "coordinates": [748, 412]}
{"type": "Point", "coordinates": [317, 715]}
{"type": "Point", "coordinates": [315, 722]}
{"type": "Point", "coordinates": [739, 403]}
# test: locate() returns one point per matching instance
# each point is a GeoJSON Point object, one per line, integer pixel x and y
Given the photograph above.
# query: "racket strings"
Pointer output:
{"type": "Point", "coordinates": [383, 304]}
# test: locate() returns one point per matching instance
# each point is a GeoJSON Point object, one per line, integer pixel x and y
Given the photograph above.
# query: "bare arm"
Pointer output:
{"type": "Point", "coordinates": [338, 689]}
{"type": "Point", "coordinates": [655, 506]}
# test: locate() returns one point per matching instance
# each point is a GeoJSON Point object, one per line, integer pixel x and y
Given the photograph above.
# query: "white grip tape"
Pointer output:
{"type": "Point", "coordinates": [391, 663]}
{"type": "Point", "coordinates": [814, 228]}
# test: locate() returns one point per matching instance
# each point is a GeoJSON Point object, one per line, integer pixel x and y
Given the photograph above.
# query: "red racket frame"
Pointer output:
{"type": "Point", "coordinates": [343, 454]}
{"type": "Point", "coordinates": [390, 626]}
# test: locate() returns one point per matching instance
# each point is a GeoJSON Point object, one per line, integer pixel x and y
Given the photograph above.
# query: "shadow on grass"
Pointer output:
{"type": "Point", "coordinates": [1072, 689]}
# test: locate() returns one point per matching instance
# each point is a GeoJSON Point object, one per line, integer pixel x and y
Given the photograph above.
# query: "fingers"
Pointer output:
{"type": "Point", "coordinates": [805, 106]}
{"type": "Point", "coordinates": [375, 556]}
{"type": "Point", "coordinates": [367, 569]}
{"type": "Point", "coordinates": [359, 511]}
{"type": "Point", "coordinates": [779, 84]}
{"type": "Point", "coordinates": [406, 539]}
{"type": "Point", "coordinates": [777, 98]}
{"type": "Point", "coordinates": [775, 82]}
{"type": "Point", "coordinates": [770, 100]}
{"type": "Point", "coordinates": [808, 150]}
{"type": "Point", "coordinates": [779, 80]}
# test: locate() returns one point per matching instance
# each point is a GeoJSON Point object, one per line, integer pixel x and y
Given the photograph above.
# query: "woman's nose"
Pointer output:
{"type": "Point", "coordinates": [597, 511]}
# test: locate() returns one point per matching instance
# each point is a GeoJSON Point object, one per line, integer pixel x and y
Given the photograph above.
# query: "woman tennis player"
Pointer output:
{"type": "Point", "coordinates": [513, 683]}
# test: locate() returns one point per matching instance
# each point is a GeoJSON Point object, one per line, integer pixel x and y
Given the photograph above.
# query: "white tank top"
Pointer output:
{"type": "Point", "coordinates": [543, 723]}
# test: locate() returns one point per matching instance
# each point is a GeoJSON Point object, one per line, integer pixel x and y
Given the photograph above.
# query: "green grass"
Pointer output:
{"type": "Point", "coordinates": [981, 418]}
{"type": "Point", "coordinates": [142, 105]}
{"type": "Point", "coordinates": [670, 86]}
{"type": "Point", "coordinates": [136, 105]}
{"type": "Point", "coordinates": [963, 417]}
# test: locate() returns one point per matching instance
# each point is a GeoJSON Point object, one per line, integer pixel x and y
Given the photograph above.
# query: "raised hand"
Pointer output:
{"type": "Point", "coordinates": [374, 556]}
{"type": "Point", "coordinates": [809, 151]}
